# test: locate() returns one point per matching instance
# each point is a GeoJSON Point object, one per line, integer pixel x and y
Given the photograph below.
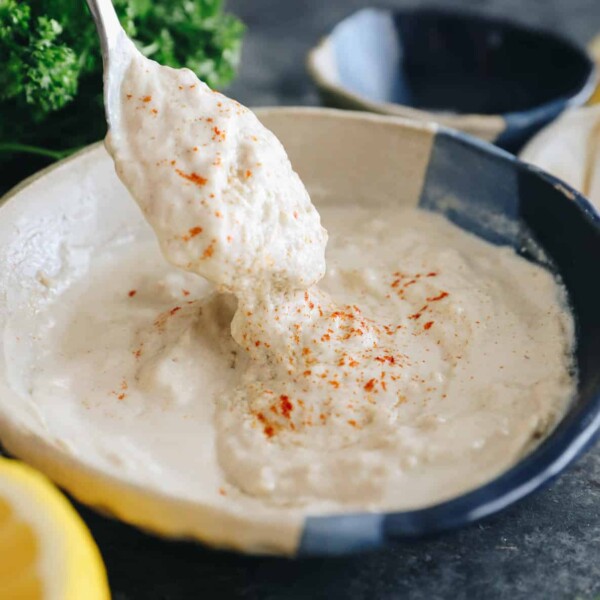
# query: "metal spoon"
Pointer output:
{"type": "Point", "coordinates": [117, 53]}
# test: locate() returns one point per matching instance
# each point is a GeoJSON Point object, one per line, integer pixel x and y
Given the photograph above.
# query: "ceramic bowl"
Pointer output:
{"type": "Point", "coordinates": [490, 78]}
{"type": "Point", "coordinates": [342, 157]}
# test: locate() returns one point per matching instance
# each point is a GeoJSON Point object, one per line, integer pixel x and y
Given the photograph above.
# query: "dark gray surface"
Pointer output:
{"type": "Point", "coordinates": [546, 547]}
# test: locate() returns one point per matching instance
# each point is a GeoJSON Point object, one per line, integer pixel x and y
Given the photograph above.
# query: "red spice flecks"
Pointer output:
{"type": "Point", "coordinates": [193, 177]}
{"type": "Point", "coordinates": [222, 492]}
{"type": "Point", "coordinates": [147, 99]}
{"type": "Point", "coordinates": [307, 299]}
{"type": "Point", "coordinates": [334, 383]}
{"type": "Point", "coordinates": [185, 292]}
{"type": "Point", "coordinates": [132, 293]}
{"type": "Point", "coordinates": [268, 430]}
{"type": "Point", "coordinates": [338, 314]}
{"type": "Point", "coordinates": [248, 173]}
{"type": "Point", "coordinates": [174, 310]}
{"type": "Point", "coordinates": [220, 135]}
{"type": "Point", "coordinates": [209, 250]}
{"type": "Point", "coordinates": [285, 406]}
{"type": "Point", "coordinates": [257, 343]}
{"type": "Point", "coordinates": [432, 274]}
{"type": "Point", "coordinates": [438, 297]}
{"type": "Point", "coordinates": [386, 359]}
{"type": "Point", "coordinates": [129, 96]}
{"type": "Point", "coordinates": [137, 353]}
{"type": "Point", "coordinates": [121, 396]}
{"type": "Point", "coordinates": [428, 325]}
{"type": "Point", "coordinates": [370, 385]}
{"type": "Point", "coordinates": [353, 331]}
{"type": "Point", "coordinates": [353, 423]}
{"type": "Point", "coordinates": [192, 233]}
{"type": "Point", "coordinates": [154, 111]}
{"type": "Point", "coordinates": [418, 314]}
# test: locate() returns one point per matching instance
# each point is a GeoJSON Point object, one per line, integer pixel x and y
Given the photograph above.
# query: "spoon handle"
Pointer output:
{"type": "Point", "coordinates": [108, 26]}
{"type": "Point", "coordinates": [117, 52]}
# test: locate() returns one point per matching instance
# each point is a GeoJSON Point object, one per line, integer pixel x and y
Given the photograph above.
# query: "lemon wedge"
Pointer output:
{"type": "Point", "coordinates": [46, 551]}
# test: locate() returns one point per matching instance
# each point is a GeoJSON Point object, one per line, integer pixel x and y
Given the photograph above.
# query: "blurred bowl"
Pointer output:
{"type": "Point", "coordinates": [342, 157]}
{"type": "Point", "coordinates": [491, 78]}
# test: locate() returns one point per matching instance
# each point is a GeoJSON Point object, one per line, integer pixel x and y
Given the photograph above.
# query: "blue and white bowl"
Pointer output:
{"type": "Point", "coordinates": [488, 77]}
{"type": "Point", "coordinates": [343, 157]}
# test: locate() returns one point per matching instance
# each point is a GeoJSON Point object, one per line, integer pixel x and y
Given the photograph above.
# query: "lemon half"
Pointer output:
{"type": "Point", "coordinates": [46, 551]}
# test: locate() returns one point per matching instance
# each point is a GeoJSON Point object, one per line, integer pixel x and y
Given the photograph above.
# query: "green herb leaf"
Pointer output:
{"type": "Point", "coordinates": [51, 76]}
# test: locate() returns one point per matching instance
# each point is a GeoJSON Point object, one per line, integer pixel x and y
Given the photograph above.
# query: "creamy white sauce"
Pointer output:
{"type": "Point", "coordinates": [426, 362]}
{"type": "Point", "coordinates": [486, 381]}
{"type": "Point", "coordinates": [216, 186]}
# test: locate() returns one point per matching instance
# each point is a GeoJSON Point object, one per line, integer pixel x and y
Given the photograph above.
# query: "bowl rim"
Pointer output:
{"type": "Point", "coordinates": [94, 487]}
{"type": "Point", "coordinates": [487, 122]}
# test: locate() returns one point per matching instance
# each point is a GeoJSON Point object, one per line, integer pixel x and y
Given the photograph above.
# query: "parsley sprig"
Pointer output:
{"type": "Point", "coordinates": [51, 68]}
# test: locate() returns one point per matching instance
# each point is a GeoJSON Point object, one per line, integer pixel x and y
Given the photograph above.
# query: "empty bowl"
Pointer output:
{"type": "Point", "coordinates": [342, 157]}
{"type": "Point", "coordinates": [491, 78]}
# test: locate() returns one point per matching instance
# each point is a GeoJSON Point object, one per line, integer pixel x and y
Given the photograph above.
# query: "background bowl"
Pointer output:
{"type": "Point", "coordinates": [488, 77]}
{"type": "Point", "coordinates": [342, 157]}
